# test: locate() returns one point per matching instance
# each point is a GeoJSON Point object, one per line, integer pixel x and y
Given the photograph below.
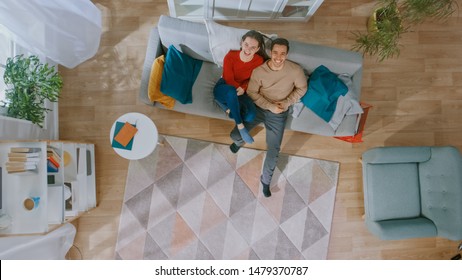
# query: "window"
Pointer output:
{"type": "Point", "coordinates": [6, 48]}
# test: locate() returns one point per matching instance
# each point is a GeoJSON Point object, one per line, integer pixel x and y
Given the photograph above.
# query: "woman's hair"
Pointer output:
{"type": "Point", "coordinates": [280, 41]}
{"type": "Point", "coordinates": [260, 39]}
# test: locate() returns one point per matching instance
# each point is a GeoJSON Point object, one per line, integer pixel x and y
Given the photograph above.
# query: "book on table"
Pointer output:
{"type": "Point", "coordinates": [54, 161]}
{"type": "Point", "coordinates": [26, 155]}
{"type": "Point", "coordinates": [20, 169]}
{"type": "Point", "coordinates": [51, 152]}
{"type": "Point", "coordinates": [24, 150]}
{"type": "Point", "coordinates": [24, 159]}
{"type": "Point", "coordinates": [13, 167]}
{"type": "Point", "coordinates": [124, 134]}
{"type": "Point", "coordinates": [51, 167]}
{"type": "Point", "coordinates": [20, 164]}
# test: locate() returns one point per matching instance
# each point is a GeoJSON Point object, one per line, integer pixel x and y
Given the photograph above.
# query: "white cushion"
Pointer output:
{"type": "Point", "coordinates": [188, 37]}
{"type": "Point", "coordinates": [222, 39]}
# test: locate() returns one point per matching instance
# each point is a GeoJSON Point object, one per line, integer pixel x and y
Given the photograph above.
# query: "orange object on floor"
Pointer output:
{"type": "Point", "coordinates": [358, 137]}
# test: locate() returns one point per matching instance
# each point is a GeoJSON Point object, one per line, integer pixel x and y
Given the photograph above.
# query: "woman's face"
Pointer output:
{"type": "Point", "coordinates": [249, 47]}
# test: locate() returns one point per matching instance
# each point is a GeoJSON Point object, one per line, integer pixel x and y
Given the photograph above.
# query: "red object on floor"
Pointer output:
{"type": "Point", "coordinates": [358, 137]}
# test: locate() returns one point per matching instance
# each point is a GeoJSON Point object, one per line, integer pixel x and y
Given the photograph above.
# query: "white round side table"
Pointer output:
{"type": "Point", "coordinates": [144, 141]}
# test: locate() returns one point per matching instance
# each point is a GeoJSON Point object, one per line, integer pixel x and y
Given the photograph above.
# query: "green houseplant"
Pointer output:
{"type": "Point", "coordinates": [29, 84]}
{"type": "Point", "coordinates": [393, 18]}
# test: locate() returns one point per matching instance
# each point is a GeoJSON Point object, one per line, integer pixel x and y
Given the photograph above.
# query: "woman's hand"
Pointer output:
{"type": "Point", "coordinates": [240, 91]}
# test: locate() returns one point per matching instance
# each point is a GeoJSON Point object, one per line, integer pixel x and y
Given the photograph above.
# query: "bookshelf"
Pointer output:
{"type": "Point", "coordinates": [63, 187]}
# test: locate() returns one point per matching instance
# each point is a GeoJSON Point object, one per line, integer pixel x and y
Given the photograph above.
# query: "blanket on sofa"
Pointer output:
{"type": "Point", "coordinates": [324, 89]}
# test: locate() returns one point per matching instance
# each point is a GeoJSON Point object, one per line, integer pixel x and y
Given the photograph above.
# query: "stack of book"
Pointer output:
{"type": "Point", "coordinates": [123, 135]}
{"type": "Point", "coordinates": [53, 160]}
{"type": "Point", "coordinates": [22, 159]}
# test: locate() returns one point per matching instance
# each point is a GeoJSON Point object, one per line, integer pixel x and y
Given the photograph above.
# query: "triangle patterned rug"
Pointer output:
{"type": "Point", "coordinates": [193, 199]}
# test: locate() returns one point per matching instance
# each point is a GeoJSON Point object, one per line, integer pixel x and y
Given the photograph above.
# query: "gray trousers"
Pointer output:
{"type": "Point", "coordinates": [274, 124]}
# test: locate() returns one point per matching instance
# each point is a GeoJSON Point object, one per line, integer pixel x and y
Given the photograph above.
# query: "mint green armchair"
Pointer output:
{"type": "Point", "coordinates": [412, 192]}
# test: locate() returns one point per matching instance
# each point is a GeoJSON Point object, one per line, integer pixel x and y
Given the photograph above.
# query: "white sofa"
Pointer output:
{"type": "Point", "coordinates": [192, 38]}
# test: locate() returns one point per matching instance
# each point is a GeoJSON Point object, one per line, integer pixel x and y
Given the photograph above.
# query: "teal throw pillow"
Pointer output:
{"type": "Point", "coordinates": [324, 89]}
{"type": "Point", "coordinates": [179, 74]}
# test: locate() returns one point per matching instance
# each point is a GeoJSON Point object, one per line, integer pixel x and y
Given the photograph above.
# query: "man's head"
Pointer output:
{"type": "Point", "coordinates": [279, 51]}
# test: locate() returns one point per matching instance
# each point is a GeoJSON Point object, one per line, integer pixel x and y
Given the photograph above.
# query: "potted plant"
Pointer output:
{"type": "Point", "coordinates": [393, 18]}
{"type": "Point", "coordinates": [29, 84]}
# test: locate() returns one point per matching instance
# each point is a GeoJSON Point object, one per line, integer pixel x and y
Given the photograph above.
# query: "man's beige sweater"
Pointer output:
{"type": "Point", "coordinates": [267, 87]}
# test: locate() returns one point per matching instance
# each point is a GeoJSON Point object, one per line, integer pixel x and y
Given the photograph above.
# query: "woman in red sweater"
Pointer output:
{"type": "Point", "coordinates": [230, 90]}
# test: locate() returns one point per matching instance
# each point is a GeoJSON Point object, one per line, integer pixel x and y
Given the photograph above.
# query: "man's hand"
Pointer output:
{"type": "Point", "coordinates": [278, 108]}
{"type": "Point", "coordinates": [240, 91]}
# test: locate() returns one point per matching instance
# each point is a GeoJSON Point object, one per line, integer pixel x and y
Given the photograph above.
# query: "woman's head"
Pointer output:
{"type": "Point", "coordinates": [253, 42]}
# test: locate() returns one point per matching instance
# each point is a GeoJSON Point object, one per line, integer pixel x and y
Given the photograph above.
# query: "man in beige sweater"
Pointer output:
{"type": "Point", "coordinates": [273, 86]}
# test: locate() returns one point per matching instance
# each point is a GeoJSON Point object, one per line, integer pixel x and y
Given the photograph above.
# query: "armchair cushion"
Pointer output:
{"type": "Point", "coordinates": [395, 194]}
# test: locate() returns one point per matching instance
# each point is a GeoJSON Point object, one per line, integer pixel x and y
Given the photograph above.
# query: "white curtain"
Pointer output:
{"type": "Point", "coordinates": [66, 31]}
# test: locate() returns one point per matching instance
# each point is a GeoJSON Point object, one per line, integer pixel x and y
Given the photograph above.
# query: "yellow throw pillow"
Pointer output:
{"type": "Point", "coordinates": [154, 93]}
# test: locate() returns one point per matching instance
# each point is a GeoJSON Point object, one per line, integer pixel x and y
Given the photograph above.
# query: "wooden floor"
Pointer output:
{"type": "Point", "coordinates": [417, 100]}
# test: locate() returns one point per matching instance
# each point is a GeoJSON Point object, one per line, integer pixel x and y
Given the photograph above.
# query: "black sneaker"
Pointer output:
{"type": "Point", "coordinates": [266, 189]}
{"type": "Point", "coordinates": [234, 148]}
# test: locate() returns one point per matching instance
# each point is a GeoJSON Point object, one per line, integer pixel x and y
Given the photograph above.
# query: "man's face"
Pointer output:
{"type": "Point", "coordinates": [278, 56]}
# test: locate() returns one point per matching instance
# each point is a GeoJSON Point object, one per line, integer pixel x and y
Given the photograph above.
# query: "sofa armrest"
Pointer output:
{"type": "Point", "coordinates": [153, 50]}
{"type": "Point", "coordinates": [441, 191]}
{"type": "Point", "coordinates": [402, 229]}
{"type": "Point", "coordinates": [396, 155]}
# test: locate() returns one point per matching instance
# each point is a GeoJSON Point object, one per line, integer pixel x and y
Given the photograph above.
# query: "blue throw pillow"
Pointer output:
{"type": "Point", "coordinates": [324, 88]}
{"type": "Point", "coordinates": [179, 74]}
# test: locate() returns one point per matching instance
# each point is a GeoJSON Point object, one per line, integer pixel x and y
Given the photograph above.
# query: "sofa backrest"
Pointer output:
{"type": "Point", "coordinates": [188, 37]}
{"type": "Point", "coordinates": [192, 38]}
{"type": "Point", "coordinates": [310, 56]}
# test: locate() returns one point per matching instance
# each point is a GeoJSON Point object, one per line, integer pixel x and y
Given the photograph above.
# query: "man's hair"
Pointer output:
{"type": "Point", "coordinates": [280, 41]}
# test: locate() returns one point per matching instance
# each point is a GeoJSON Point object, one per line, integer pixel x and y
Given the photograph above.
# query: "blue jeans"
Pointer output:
{"type": "Point", "coordinates": [241, 107]}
